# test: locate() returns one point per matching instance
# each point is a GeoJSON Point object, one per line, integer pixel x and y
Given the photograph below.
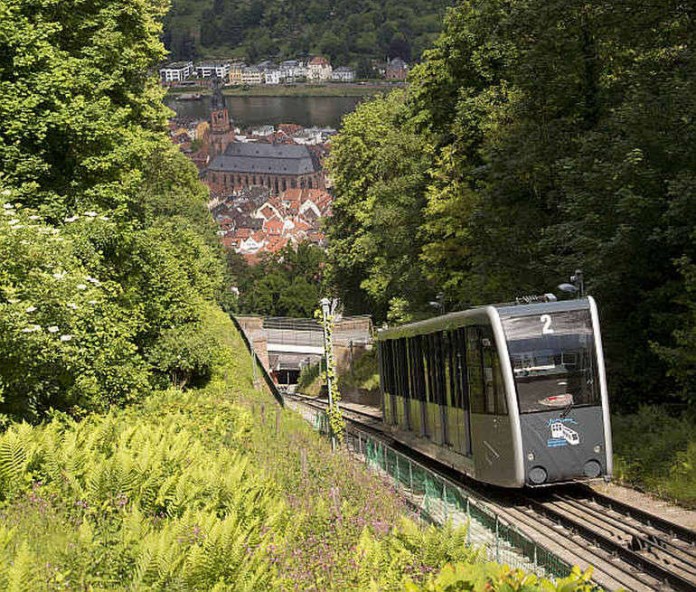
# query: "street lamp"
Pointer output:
{"type": "Point", "coordinates": [439, 304]}
{"type": "Point", "coordinates": [577, 285]}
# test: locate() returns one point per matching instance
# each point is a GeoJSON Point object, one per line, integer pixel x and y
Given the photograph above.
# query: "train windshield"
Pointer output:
{"type": "Point", "coordinates": [553, 359]}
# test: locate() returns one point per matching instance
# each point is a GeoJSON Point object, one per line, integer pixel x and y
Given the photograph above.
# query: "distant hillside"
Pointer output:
{"type": "Point", "coordinates": [349, 32]}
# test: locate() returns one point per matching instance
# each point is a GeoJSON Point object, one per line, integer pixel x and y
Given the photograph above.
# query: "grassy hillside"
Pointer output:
{"type": "Point", "coordinates": [347, 32]}
{"type": "Point", "coordinates": [212, 489]}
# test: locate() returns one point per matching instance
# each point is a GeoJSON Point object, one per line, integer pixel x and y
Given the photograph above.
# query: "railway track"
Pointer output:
{"type": "Point", "coordinates": [627, 547]}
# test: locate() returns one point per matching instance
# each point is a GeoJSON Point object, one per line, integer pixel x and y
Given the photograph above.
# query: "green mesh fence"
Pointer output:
{"type": "Point", "coordinates": [438, 501]}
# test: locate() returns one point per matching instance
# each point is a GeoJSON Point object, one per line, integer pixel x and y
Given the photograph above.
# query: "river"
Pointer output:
{"type": "Point", "coordinates": [255, 111]}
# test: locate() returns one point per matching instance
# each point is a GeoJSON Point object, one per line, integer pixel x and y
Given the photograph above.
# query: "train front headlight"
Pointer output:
{"type": "Point", "coordinates": [592, 469]}
{"type": "Point", "coordinates": [538, 475]}
{"type": "Point", "coordinates": [597, 449]}
{"type": "Point", "coordinates": [530, 457]}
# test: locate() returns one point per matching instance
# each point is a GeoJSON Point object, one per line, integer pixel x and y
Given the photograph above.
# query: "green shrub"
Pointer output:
{"type": "Point", "coordinates": [311, 379]}
{"type": "Point", "coordinates": [185, 354]}
{"type": "Point", "coordinates": [363, 374]}
{"type": "Point", "coordinates": [656, 450]}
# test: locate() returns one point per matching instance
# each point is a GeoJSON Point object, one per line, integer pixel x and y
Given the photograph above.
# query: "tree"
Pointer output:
{"type": "Point", "coordinates": [379, 169]}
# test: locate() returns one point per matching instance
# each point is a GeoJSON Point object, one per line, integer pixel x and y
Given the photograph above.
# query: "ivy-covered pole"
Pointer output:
{"type": "Point", "coordinates": [336, 425]}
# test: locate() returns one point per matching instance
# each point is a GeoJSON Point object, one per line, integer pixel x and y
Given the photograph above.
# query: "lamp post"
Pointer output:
{"type": "Point", "coordinates": [328, 353]}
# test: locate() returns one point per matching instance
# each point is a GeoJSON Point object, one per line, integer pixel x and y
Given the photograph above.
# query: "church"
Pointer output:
{"type": "Point", "coordinates": [235, 165]}
{"type": "Point", "coordinates": [277, 166]}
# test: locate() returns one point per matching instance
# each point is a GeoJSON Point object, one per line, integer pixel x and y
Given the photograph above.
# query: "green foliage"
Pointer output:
{"type": "Point", "coordinates": [185, 354]}
{"type": "Point", "coordinates": [344, 31]}
{"type": "Point", "coordinates": [363, 373]}
{"type": "Point", "coordinates": [657, 451]}
{"type": "Point", "coordinates": [490, 576]}
{"type": "Point", "coordinates": [379, 171]}
{"type": "Point", "coordinates": [337, 425]}
{"type": "Point", "coordinates": [65, 339]}
{"type": "Point", "coordinates": [287, 283]}
{"type": "Point", "coordinates": [553, 136]}
{"type": "Point", "coordinates": [135, 498]}
{"type": "Point", "coordinates": [311, 379]}
{"type": "Point", "coordinates": [106, 239]}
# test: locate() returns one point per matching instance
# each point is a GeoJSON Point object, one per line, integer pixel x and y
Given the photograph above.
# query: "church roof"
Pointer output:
{"type": "Point", "coordinates": [273, 159]}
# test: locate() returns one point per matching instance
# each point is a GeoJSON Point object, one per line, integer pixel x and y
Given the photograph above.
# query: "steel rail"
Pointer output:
{"type": "Point", "coordinates": [660, 572]}
{"type": "Point", "coordinates": [644, 537]}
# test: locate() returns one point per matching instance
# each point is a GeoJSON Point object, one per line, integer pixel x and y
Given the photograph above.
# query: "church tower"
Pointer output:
{"type": "Point", "coordinates": [221, 133]}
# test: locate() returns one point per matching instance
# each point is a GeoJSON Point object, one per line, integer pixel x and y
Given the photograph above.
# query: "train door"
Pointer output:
{"type": "Point", "coordinates": [443, 378]}
{"type": "Point", "coordinates": [493, 447]}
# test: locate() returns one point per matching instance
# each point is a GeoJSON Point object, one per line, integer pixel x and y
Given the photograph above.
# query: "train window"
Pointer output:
{"type": "Point", "coordinates": [401, 368]}
{"type": "Point", "coordinates": [554, 360]}
{"type": "Point", "coordinates": [457, 369]}
{"type": "Point", "coordinates": [416, 367]}
{"type": "Point", "coordinates": [474, 369]}
{"type": "Point", "coordinates": [494, 400]}
{"type": "Point", "coordinates": [437, 374]}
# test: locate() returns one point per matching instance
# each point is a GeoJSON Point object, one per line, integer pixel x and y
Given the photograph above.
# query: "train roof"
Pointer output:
{"type": "Point", "coordinates": [461, 318]}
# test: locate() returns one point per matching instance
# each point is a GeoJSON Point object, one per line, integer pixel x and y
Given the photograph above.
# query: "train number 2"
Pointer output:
{"type": "Point", "coordinates": [546, 321]}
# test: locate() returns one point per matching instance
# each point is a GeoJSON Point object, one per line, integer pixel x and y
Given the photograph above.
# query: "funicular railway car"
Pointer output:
{"type": "Point", "coordinates": [513, 395]}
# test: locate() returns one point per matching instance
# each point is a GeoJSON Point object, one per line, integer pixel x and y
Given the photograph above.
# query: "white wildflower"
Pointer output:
{"type": "Point", "coordinates": [30, 308]}
{"type": "Point", "coordinates": [72, 306]}
{"type": "Point", "coordinates": [14, 300]}
{"type": "Point", "coordinates": [31, 329]}
{"type": "Point", "coordinates": [34, 217]}
{"type": "Point", "coordinates": [13, 222]}
{"type": "Point", "coordinates": [59, 275]}
{"type": "Point", "coordinates": [65, 337]}
{"type": "Point", "coordinates": [53, 329]}
{"type": "Point", "coordinates": [94, 281]}
{"type": "Point", "coordinates": [93, 302]}
{"type": "Point", "coordinates": [72, 218]}
{"type": "Point", "coordinates": [81, 287]}
{"type": "Point", "coordinates": [91, 214]}
{"type": "Point", "coordinates": [7, 206]}
{"type": "Point", "coordinates": [105, 218]}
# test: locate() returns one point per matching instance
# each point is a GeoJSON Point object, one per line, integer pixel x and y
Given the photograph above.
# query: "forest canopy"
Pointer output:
{"type": "Point", "coordinates": [536, 137]}
{"type": "Point", "coordinates": [349, 32]}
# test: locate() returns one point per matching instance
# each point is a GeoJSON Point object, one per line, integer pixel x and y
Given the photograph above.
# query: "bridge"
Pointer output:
{"type": "Point", "coordinates": [286, 345]}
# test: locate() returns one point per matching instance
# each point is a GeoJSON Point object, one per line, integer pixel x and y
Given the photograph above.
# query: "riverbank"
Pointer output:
{"type": "Point", "coordinates": [294, 90]}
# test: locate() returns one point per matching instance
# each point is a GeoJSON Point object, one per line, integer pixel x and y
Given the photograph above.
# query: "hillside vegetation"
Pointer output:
{"type": "Point", "coordinates": [535, 138]}
{"type": "Point", "coordinates": [108, 254]}
{"type": "Point", "coordinates": [348, 32]}
{"type": "Point", "coordinates": [215, 489]}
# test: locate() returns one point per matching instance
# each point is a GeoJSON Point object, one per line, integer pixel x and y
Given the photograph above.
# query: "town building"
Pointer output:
{"type": "Point", "coordinates": [277, 167]}
{"type": "Point", "coordinates": [252, 76]}
{"type": "Point", "coordinates": [397, 69]}
{"type": "Point", "coordinates": [236, 73]}
{"type": "Point", "coordinates": [320, 69]}
{"type": "Point", "coordinates": [213, 69]}
{"type": "Point", "coordinates": [272, 76]}
{"type": "Point", "coordinates": [343, 74]}
{"type": "Point", "coordinates": [176, 72]}
{"type": "Point", "coordinates": [292, 71]}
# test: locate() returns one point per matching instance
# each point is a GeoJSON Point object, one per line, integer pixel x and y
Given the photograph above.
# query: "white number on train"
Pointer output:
{"type": "Point", "coordinates": [546, 321]}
